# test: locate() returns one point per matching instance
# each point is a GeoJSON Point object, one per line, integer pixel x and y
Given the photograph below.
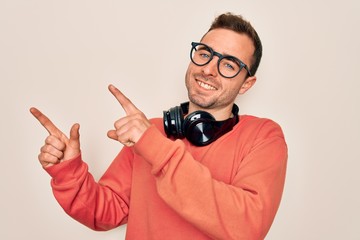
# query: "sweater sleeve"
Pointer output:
{"type": "Point", "coordinates": [243, 209]}
{"type": "Point", "coordinates": [98, 206]}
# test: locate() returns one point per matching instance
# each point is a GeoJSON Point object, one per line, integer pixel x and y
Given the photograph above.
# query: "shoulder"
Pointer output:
{"type": "Point", "coordinates": [260, 127]}
{"type": "Point", "coordinates": [260, 134]}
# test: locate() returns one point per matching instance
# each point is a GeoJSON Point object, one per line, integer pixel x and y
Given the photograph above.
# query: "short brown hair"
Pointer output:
{"type": "Point", "coordinates": [238, 24]}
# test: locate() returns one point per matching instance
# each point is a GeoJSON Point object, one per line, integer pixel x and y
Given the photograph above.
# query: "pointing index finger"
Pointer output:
{"type": "Point", "coordinates": [126, 104]}
{"type": "Point", "coordinates": [45, 121]}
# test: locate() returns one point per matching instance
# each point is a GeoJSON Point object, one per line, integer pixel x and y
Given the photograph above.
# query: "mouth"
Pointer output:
{"type": "Point", "coordinates": [206, 85]}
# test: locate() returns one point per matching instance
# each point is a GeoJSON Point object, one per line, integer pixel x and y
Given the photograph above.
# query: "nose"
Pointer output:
{"type": "Point", "coordinates": [211, 67]}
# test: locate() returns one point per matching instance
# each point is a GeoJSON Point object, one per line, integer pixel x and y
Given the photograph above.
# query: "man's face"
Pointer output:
{"type": "Point", "coordinates": [207, 89]}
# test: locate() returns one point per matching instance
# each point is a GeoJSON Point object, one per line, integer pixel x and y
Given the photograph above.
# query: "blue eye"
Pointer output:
{"type": "Point", "coordinates": [204, 55]}
{"type": "Point", "coordinates": [227, 65]}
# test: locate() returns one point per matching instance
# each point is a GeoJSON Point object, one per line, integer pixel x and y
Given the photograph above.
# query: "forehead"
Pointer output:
{"type": "Point", "coordinates": [229, 42]}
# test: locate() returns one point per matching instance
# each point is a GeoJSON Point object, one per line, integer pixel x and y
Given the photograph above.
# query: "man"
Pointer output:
{"type": "Point", "coordinates": [200, 172]}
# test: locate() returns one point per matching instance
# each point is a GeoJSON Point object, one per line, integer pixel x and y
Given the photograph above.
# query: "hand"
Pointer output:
{"type": "Point", "coordinates": [129, 129]}
{"type": "Point", "coordinates": [58, 147]}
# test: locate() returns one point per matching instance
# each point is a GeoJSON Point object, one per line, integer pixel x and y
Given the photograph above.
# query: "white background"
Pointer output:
{"type": "Point", "coordinates": [60, 56]}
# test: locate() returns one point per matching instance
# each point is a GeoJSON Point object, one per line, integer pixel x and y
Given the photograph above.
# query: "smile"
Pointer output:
{"type": "Point", "coordinates": [205, 85]}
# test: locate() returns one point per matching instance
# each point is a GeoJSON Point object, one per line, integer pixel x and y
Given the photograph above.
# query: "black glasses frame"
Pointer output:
{"type": "Point", "coordinates": [220, 56]}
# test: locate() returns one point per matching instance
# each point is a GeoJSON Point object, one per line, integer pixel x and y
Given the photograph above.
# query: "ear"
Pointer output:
{"type": "Point", "coordinates": [247, 84]}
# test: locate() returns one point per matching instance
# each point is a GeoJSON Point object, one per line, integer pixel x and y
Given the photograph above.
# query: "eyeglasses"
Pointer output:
{"type": "Point", "coordinates": [228, 66]}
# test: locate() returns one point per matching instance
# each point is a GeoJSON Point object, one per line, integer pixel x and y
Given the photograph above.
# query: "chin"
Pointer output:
{"type": "Point", "coordinates": [201, 103]}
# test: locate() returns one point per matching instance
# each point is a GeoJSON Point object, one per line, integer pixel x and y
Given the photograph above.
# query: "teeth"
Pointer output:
{"type": "Point", "coordinates": [206, 86]}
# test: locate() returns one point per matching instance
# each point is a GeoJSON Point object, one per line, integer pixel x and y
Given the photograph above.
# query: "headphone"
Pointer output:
{"type": "Point", "coordinates": [199, 127]}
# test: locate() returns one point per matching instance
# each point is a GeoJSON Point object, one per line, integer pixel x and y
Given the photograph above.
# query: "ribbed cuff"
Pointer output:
{"type": "Point", "coordinates": [66, 171]}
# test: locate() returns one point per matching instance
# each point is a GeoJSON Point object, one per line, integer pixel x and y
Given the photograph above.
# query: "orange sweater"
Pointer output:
{"type": "Point", "coordinates": [165, 189]}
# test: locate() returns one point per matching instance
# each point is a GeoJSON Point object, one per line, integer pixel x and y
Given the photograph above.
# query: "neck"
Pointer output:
{"type": "Point", "coordinates": [219, 114]}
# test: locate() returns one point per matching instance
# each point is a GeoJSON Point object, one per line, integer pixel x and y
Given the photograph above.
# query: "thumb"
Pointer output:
{"type": "Point", "coordinates": [75, 136]}
{"type": "Point", "coordinates": [73, 143]}
{"type": "Point", "coordinates": [112, 134]}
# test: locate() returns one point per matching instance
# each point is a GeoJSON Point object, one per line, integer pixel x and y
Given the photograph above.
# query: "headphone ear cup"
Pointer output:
{"type": "Point", "coordinates": [178, 116]}
{"type": "Point", "coordinates": [167, 121]}
{"type": "Point", "coordinates": [199, 128]}
{"type": "Point", "coordinates": [173, 122]}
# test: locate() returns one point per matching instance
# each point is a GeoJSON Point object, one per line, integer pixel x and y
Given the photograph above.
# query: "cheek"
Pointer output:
{"type": "Point", "coordinates": [233, 89]}
{"type": "Point", "coordinates": [188, 73]}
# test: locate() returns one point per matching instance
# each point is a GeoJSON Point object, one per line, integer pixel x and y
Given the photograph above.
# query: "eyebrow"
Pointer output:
{"type": "Point", "coordinates": [225, 54]}
{"type": "Point", "coordinates": [201, 47]}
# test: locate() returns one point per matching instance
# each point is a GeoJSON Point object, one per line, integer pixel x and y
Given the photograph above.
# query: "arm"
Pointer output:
{"type": "Point", "coordinates": [98, 207]}
{"type": "Point", "coordinates": [93, 204]}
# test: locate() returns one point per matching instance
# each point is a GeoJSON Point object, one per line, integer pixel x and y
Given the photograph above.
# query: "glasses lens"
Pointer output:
{"type": "Point", "coordinates": [201, 54]}
{"type": "Point", "coordinates": [229, 67]}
